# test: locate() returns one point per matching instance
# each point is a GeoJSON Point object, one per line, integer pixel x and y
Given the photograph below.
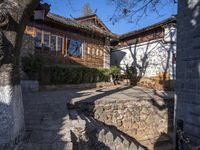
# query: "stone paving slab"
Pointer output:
{"type": "Point", "coordinates": [121, 93]}
{"type": "Point", "coordinates": [47, 116]}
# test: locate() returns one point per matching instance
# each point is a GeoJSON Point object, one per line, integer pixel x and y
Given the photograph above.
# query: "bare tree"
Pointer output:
{"type": "Point", "coordinates": [134, 10]}
{"type": "Point", "coordinates": [87, 10]}
{"type": "Point", "coordinates": [14, 15]}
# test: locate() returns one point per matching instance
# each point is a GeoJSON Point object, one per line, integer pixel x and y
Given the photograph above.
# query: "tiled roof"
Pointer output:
{"type": "Point", "coordinates": [85, 17]}
{"type": "Point", "coordinates": [90, 17]}
{"type": "Point", "coordinates": [162, 23]}
{"type": "Point", "coordinates": [75, 24]}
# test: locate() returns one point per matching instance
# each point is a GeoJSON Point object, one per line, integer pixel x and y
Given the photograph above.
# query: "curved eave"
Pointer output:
{"type": "Point", "coordinates": [74, 24]}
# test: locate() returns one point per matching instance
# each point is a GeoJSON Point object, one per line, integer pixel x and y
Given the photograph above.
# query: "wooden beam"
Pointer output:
{"type": "Point", "coordinates": [70, 34]}
{"type": "Point", "coordinates": [35, 32]}
{"type": "Point", "coordinates": [56, 50]}
{"type": "Point", "coordinates": [63, 46]}
{"type": "Point", "coordinates": [66, 43]}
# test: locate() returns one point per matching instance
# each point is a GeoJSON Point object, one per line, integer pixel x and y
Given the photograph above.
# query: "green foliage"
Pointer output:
{"type": "Point", "coordinates": [59, 74]}
{"type": "Point", "coordinates": [131, 72]}
{"type": "Point", "coordinates": [115, 70]}
{"type": "Point", "coordinates": [31, 65]}
{"type": "Point", "coordinates": [75, 75]}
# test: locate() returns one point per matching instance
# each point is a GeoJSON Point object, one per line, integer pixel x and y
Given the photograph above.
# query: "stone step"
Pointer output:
{"type": "Point", "coordinates": [125, 141]}
{"type": "Point", "coordinates": [104, 137]}
{"type": "Point", "coordinates": [163, 139]}
{"type": "Point", "coordinates": [164, 142]}
{"type": "Point", "coordinates": [168, 146]}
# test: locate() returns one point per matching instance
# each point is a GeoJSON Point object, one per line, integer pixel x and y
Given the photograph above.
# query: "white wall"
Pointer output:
{"type": "Point", "coordinates": [156, 54]}
{"type": "Point", "coordinates": [170, 33]}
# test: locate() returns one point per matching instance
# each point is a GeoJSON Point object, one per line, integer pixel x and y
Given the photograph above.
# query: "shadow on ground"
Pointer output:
{"type": "Point", "coordinates": [52, 124]}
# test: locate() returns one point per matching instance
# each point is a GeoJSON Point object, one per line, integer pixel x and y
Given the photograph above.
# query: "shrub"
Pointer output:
{"type": "Point", "coordinates": [115, 70]}
{"type": "Point", "coordinates": [32, 66]}
{"type": "Point", "coordinates": [75, 75]}
{"type": "Point", "coordinates": [60, 74]}
{"type": "Point", "coordinates": [131, 72]}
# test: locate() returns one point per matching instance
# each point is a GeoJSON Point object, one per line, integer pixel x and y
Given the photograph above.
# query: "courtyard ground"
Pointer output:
{"type": "Point", "coordinates": [51, 125]}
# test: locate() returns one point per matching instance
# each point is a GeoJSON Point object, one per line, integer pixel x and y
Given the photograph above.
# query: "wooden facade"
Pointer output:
{"type": "Point", "coordinates": [65, 44]}
{"type": "Point", "coordinates": [147, 34]}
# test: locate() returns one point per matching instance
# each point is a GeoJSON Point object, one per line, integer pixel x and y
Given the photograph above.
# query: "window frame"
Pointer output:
{"type": "Point", "coordinates": [81, 48]}
{"type": "Point", "coordinates": [91, 53]}
{"type": "Point", "coordinates": [43, 43]}
{"type": "Point", "coordinates": [38, 31]}
{"type": "Point", "coordinates": [55, 47]}
{"type": "Point", "coordinates": [61, 50]}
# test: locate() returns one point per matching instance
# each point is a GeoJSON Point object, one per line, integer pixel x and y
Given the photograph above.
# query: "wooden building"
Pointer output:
{"type": "Point", "coordinates": [83, 41]}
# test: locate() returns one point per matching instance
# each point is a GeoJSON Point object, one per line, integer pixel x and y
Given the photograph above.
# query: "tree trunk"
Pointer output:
{"type": "Point", "coordinates": [14, 14]}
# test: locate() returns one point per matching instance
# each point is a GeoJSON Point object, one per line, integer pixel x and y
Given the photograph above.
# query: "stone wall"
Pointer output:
{"type": "Point", "coordinates": [12, 116]}
{"type": "Point", "coordinates": [90, 134]}
{"type": "Point", "coordinates": [27, 49]}
{"type": "Point", "coordinates": [156, 83]}
{"type": "Point", "coordinates": [30, 85]}
{"type": "Point", "coordinates": [78, 86]}
{"type": "Point", "coordinates": [28, 45]}
{"type": "Point", "coordinates": [142, 119]}
{"type": "Point", "coordinates": [188, 73]}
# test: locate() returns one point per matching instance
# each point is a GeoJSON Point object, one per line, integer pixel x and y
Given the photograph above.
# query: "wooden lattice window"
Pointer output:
{"type": "Point", "coordinates": [53, 43]}
{"type": "Point", "coordinates": [60, 44]}
{"type": "Point", "coordinates": [75, 48]}
{"type": "Point", "coordinates": [46, 41]}
{"type": "Point", "coordinates": [39, 40]}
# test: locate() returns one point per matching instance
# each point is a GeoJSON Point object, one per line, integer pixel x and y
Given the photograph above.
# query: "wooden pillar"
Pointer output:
{"type": "Point", "coordinates": [56, 50]}
{"type": "Point", "coordinates": [66, 43]}
{"type": "Point", "coordinates": [14, 17]}
{"type": "Point", "coordinates": [63, 49]}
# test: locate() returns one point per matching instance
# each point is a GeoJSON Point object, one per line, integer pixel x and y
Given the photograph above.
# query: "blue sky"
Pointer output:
{"type": "Point", "coordinates": [73, 8]}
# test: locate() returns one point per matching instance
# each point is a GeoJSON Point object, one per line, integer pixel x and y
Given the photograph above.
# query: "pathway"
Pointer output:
{"type": "Point", "coordinates": [49, 123]}
{"type": "Point", "coordinates": [46, 118]}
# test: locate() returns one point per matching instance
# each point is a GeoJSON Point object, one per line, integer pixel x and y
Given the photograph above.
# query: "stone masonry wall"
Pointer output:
{"type": "Point", "coordinates": [26, 50]}
{"type": "Point", "coordinates": [90, 134]}
{"type": "Point", "coordinates": [143, 119]}
{"type": "Point", "coordinates": [28, 45]}
{"type": "Point", "coordinates": [12, 117]}
{"type": "Point", "coordinates": [156, 83]}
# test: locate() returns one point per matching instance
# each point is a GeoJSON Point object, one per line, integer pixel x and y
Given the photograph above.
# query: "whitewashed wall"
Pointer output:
{"type": "Point", "coordinates": [155, 54]}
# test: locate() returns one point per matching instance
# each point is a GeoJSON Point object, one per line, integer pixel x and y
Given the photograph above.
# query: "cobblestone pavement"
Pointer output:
{"type": "Point", "coordinates": [46, 114]}
{"type": "Point", "coordinates": [47, 117]}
